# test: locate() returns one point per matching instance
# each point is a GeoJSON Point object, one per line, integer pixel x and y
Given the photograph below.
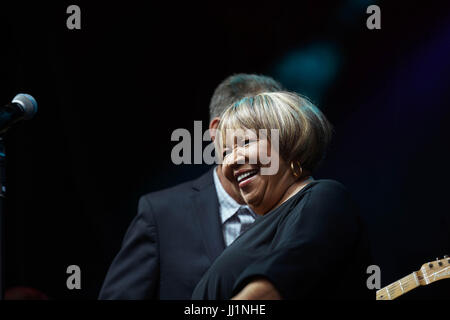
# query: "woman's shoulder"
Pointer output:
{"type": "Point", "coordinates": [329, 185]}
{"type": "Point", "coordinates": [328, 190]}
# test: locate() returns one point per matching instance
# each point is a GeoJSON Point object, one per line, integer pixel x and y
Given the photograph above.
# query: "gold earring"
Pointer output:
{"type": "Point", "coordinates": [297, 175]}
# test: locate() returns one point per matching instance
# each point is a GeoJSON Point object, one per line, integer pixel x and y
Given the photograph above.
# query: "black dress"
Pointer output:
{"type": "Point", "coordinates": [311, 246]}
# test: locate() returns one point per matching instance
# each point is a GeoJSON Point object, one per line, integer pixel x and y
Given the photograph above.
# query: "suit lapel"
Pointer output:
{"type": "Point", "coordinates": [206, 214]}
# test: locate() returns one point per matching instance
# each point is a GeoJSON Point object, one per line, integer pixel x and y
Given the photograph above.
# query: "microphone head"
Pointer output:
{"type": "Point", "coordinates": [28, 104]}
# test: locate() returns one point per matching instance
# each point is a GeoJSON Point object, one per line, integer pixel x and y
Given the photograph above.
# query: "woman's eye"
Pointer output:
{"type": "Point", "coordinates": [247, 141]}
{"type": "Point", "coordinates": [225, 153]}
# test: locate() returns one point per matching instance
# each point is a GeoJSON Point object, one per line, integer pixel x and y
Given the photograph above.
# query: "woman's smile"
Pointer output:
{"type": "Point", "coordinates": [244, 177]}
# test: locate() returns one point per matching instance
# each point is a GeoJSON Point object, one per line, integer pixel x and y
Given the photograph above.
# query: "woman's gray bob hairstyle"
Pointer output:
{"type": "Point", "coordinates": [304, 131]}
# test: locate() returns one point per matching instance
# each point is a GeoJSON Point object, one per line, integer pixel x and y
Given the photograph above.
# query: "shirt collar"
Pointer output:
{"type": "Point", "coordinates": [228, 206]}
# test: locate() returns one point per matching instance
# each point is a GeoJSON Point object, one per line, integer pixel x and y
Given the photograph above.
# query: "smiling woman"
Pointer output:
{"type": "Point", "coordinates": [307, 241]}
{"type": "Point", "coordinates": [248, 145]}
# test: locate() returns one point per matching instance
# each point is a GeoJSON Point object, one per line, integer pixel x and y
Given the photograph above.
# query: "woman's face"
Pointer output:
{"type": "Point", "coordinates": [245, 154]}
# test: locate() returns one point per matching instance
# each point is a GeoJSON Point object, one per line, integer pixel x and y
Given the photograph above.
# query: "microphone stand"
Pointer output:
{"type": "Point", "coordinates": [2, 229]}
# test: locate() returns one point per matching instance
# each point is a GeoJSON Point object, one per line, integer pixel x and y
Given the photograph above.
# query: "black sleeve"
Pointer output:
{"type": "Point", "coordinates": [316, 239]}
{"type": "Point", "coordinates": [134, 273]}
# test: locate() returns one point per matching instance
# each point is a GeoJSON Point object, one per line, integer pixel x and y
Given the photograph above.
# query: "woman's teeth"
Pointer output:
{"type": "Point", "coordinates": [245, 175]}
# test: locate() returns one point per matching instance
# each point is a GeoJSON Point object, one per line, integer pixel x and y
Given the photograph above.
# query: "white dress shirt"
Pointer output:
{"type": "Point", "coordinates": [235, 218]}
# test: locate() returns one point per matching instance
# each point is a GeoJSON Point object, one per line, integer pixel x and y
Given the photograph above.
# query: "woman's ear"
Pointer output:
{"type": "Point", "coordinates": [213, 125]}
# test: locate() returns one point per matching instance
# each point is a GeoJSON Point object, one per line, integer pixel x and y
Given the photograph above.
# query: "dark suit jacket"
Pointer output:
{"type": "Point", "coordinates": [169, 245]}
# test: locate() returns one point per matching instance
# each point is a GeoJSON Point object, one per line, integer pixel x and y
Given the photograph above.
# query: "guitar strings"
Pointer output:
{"type": "Point", "coordinates": [409, 278]}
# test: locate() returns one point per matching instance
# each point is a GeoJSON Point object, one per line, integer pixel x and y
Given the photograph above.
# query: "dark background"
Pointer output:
{"type": "Point", "coordinates": [111, 94]}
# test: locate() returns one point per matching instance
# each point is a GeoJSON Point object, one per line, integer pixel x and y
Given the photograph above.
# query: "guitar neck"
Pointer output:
{"type": "Point", "coordinates": [400, 287]}
{"type": "Point", "coordinates": [429, 273]}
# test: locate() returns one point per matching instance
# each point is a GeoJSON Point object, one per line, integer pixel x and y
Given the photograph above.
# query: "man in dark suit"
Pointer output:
{"type": "Point", "coordinates": [179, 232]}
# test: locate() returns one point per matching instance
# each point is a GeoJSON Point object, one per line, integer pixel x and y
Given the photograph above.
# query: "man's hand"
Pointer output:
{"type": "Point", "coordinates": [258, 289]}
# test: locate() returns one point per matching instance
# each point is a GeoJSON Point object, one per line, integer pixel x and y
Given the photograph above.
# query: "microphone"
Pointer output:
{"type": "Point", "coordinates": [22, 107]}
